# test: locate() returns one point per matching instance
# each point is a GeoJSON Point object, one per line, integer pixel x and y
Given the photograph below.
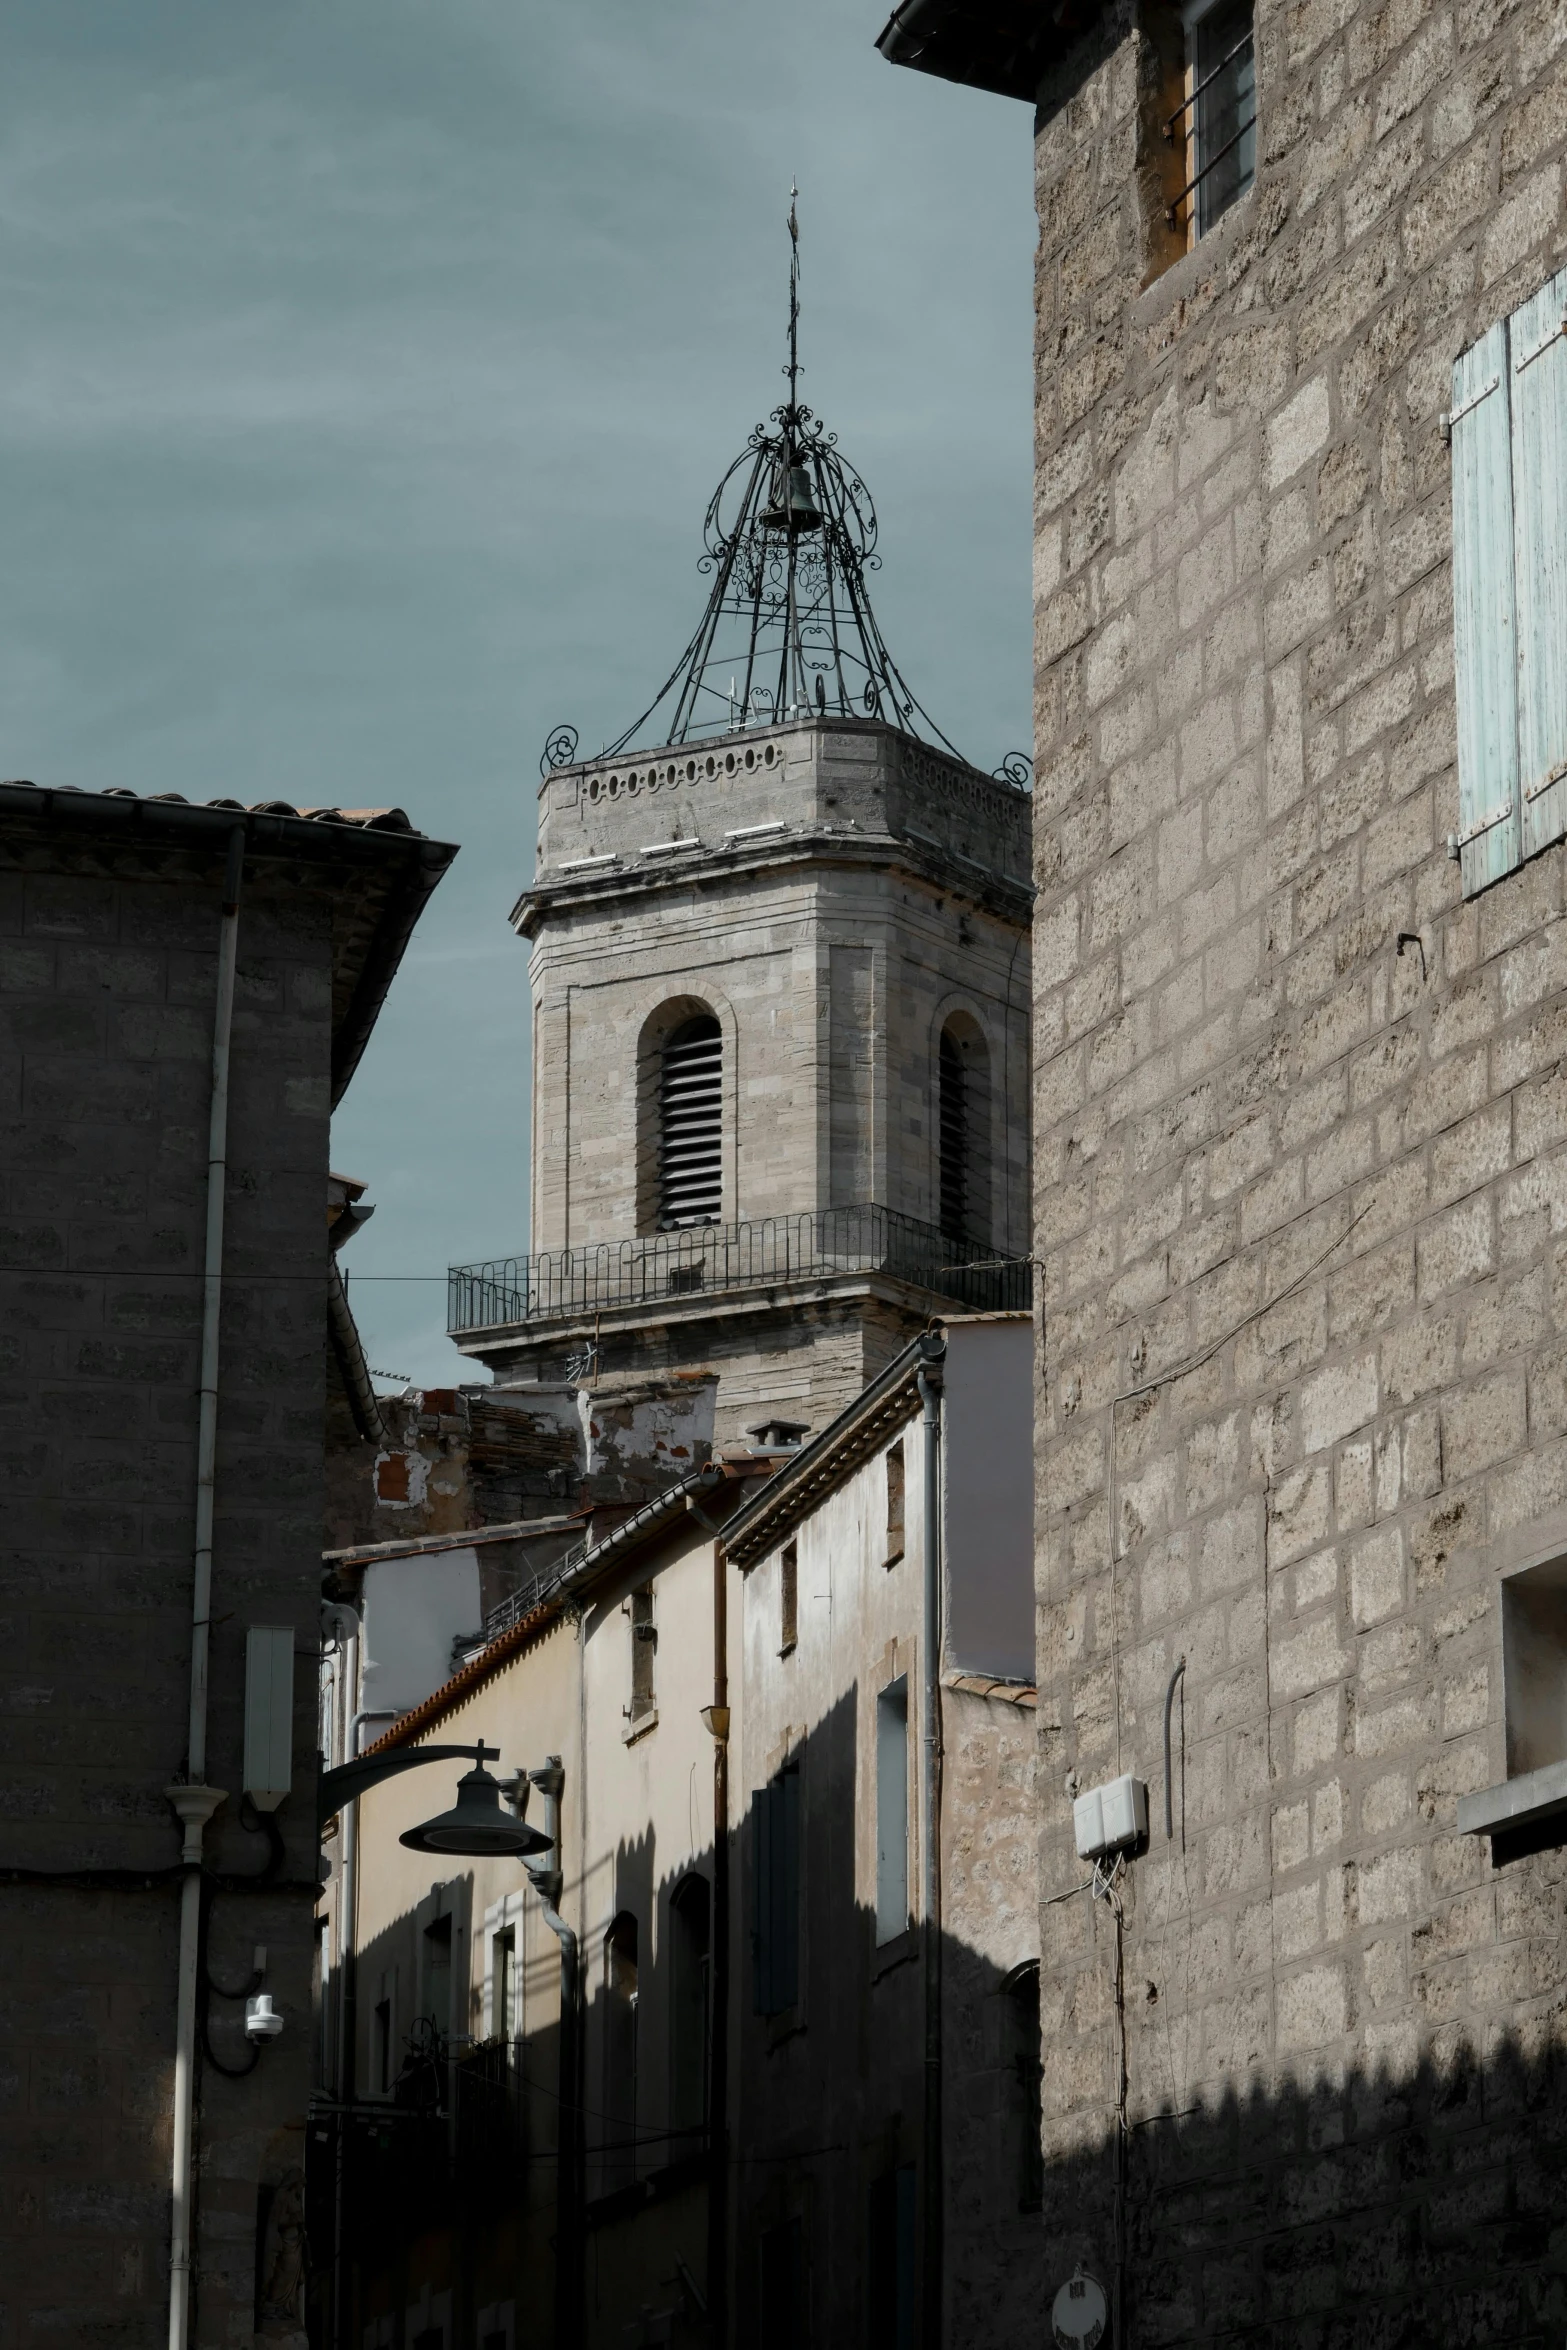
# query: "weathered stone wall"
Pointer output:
{"type": "Point", "coordinates": [831, 952]}
{"type": "Point", "coordinates": [107, 976]}
{"type": "Point", "coordinates": [1299, 1190]}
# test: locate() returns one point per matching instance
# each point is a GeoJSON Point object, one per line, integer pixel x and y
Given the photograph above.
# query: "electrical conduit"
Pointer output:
{"type": "Point", "coordinates": [194, 1802]}
{"type": "Point", "coordinates": [932, 1351]}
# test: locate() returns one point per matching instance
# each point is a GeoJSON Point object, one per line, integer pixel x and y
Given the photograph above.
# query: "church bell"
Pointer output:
{"type": "Point", "coordinates": [796, 510]}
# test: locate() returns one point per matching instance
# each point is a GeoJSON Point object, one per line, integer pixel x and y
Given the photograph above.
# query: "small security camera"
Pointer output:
{"type": "Point", "coordinates": [262, 2021]}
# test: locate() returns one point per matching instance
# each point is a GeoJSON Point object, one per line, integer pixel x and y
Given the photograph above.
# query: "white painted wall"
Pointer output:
{"type": "Point", "coordinates": [414, 1609]}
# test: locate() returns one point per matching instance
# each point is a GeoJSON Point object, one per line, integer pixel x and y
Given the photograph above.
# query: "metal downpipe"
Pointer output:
{"type": "Point", "coordinates": [194, 1802]}
{"type": "Point", "coordinates": [932, 2273]}
{"type": "Point", "coordinates": [548, 1884]}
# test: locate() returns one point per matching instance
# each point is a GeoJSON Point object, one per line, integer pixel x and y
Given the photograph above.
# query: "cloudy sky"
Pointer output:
{"type": "Point", "coordinates": [368, 366]}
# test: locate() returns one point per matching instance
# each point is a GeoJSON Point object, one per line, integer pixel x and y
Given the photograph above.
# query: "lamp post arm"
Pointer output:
{"type": "Point", "coordinates": [346, 1780]}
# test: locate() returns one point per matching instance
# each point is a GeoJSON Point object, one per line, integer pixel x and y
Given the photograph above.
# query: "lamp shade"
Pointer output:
{"type": "Point", "coordinates": [476, 1824]}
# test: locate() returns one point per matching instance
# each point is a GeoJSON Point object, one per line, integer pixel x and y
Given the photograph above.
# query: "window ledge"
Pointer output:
{"type": "Point", "coordinates": [783, 2026]}
{"type": "Point", "coordinates": [888, 1955]}
{"type": "Point", "coordinates": [1517, 1803]}
{"type": "Point", "coordinates": [640, 1727]}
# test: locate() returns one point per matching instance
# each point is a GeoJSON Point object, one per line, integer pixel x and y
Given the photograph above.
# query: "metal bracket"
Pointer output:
{"type": "Point", "coordinates": [1545, 783]}
{"type": "Point", "coordinates": [1486, 823]}
{"type": "Point", "coordinates": [1527, 358]}
{"type": "Point", "coordinates": [1464, 406]}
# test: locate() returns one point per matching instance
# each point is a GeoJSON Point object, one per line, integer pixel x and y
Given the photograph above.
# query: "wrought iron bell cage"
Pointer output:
{"type": "Point", "coordinates": [789, 541]}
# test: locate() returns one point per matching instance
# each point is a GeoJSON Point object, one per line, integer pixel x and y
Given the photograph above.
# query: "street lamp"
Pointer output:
{"type": "Point", "coordinates": [476, 1825]}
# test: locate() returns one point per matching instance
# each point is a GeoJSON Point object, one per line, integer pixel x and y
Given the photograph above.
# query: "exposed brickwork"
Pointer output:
{"type": "Point", "coordinates": [1300, 1182]}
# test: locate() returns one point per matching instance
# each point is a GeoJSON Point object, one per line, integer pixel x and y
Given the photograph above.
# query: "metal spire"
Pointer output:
{"type": "Point", "coordinates": [793, 368]}
{"type": "Point", "coordinates": [790, 536]}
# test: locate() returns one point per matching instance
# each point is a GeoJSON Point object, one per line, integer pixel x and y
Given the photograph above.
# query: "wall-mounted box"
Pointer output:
{"type": "Point", "coordinates": [269, 1714]}
{"type": "Point", "coordinates": [1111, 1817]}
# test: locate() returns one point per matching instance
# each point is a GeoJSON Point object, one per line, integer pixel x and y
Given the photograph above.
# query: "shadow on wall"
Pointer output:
{"type": "Point", "coordinates": [453, 2189]}
{"type": "Point", "coordinates": [1375, 2211]}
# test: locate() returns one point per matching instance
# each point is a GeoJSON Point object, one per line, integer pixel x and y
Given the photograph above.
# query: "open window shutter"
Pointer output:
{"type": "Point", "coordinates": [1484, 630]}
{"type": "Point", "coordinates": [1538, 389]}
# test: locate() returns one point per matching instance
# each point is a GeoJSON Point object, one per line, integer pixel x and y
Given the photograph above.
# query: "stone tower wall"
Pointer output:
{"type": "Point", "coordinates": [1300, 1190]}
{"type": "Point", "coordinates": [880, 896]}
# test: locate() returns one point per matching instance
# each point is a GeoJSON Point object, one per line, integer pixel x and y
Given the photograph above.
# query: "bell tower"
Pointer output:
{"type": "Point", "coordinates": [779, 959]}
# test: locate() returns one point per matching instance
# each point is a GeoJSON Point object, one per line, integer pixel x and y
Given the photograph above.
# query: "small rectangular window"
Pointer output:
{"type": "Point", "coordinates": [504, 2014]}
{"type": "Point", "coordinates": [894, 1504]}
{"type": "Point", "coordinates": [1213, 130]}
{"type": "Point", "coordinates": [438, 1977]}
{"type": "Point", "coordinates": [892, 1811]}
{"type": "Point", "coordinates": [776, 1890]}
{"type": "Point", "coordinates": [788, 1597]}
{"type": "Point", "coordinates": [644, 1644]}
{"type": "Point", "coordinates": [383, 2045]}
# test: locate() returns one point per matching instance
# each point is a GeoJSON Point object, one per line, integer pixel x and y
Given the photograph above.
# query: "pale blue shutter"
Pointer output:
{"type": "Point", "coordinates": [1538, 391]}
{"type": "Point", "coordinates": [1484, 632]}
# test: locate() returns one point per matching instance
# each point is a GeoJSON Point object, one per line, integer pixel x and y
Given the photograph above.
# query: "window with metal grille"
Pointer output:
{"type": "Point", "coordinates": [644, 1645]}
{"type": "Point", "coordinates": [691, 1107]}
{"type": "Point", "coordinates": [1215, 125]}
{"type": "Point", "coordinates": [788, 1597]}
{"type": "Point", "coordinates": [895, 1484]}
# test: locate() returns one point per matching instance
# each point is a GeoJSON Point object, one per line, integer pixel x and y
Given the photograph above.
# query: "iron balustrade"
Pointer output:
{"type": "Point", "coordinates": [713, 1258]}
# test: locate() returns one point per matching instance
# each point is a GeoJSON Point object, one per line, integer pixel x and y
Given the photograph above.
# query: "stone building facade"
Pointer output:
{"type": "Point", "coordinates": [111, 912]}
{"type": "Point", "coordinates": [1299, 1180]}
{"type": "Point", "coordinates": [838, 897]}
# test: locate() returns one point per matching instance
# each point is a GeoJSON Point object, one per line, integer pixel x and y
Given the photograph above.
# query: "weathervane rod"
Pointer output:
{"type": "Point", "coordinates": [794, 297]}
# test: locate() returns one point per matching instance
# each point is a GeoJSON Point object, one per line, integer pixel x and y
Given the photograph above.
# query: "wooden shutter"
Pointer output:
{"type": "Point", "coordinates": [1537, 380]}
{"type": "Point", "coordinates": [1484, 627]}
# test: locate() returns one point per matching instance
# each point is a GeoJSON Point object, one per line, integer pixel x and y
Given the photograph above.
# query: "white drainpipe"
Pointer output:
{"type": "Point", "coordinates": [193, 1800]}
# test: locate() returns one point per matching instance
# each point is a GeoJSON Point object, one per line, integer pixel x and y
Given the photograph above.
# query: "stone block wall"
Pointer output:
{"type": "Point", "coordinates": [1299, 1201]}
{"type": "Point", "coordinates": [816, 1100]}
{"type": "Point", "coordinates": [107, 976]}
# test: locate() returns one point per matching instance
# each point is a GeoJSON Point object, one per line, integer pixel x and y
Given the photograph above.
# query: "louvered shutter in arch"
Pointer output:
{"type": "Point", "coordinates": [1484, 629]}
{"type": "Point", "coordinates": [1538, 393]}
{"type": "Point", "coordinates": [691, 1125]}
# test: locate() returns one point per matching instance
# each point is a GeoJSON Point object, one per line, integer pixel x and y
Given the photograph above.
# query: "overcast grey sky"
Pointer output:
{"type": "Point", "coordinates": [369, 364]}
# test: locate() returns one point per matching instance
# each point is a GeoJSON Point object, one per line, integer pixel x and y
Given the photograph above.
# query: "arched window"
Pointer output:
{"type": "Point", "coordinates": [690, 1921]}
{"type": "Point", "coordinates": [620, 2050]}
{"type": "Point", "coordinates": [963, 1131]}
{"type": "Point", "coordinates": [691, 1124]}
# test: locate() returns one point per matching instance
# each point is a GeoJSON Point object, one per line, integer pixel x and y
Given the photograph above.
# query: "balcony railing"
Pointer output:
{"type": "Point", "coordinates": [710, 1259]}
